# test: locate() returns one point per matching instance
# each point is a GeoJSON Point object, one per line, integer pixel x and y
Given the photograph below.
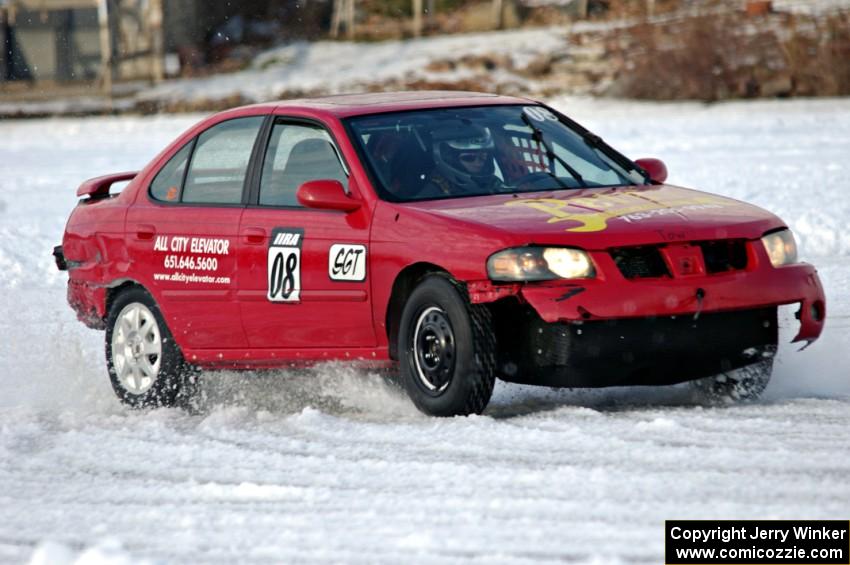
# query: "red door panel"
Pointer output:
{"type": "Point", "coordinates": [188, 255]}
{"type": "Point", "coordinates": [291, 292]}
{"type": "Point", "coordinates": [286, 291]}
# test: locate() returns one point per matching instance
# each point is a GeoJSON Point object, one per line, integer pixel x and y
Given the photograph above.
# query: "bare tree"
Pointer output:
{"type": "Point", "coordinates": [107, 69]}
{"type": "Point", "coordinates": [417, 18]}
{"type": "Point", "coordinates": [582, 9]}
{"type": "Point", "coordinates": [498, 14]}
{"type": "Point", "coordinates": [157, 41]}
{"type": "Point", "coordinates": [343, 16]}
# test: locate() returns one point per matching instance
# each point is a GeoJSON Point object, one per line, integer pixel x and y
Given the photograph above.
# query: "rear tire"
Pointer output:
{"type": "Point", "coordinates": [740, 385]}
{"type": "Point", "coordinates": [146, 367]}
{"type": "Point", "coordinates": [446, 350]}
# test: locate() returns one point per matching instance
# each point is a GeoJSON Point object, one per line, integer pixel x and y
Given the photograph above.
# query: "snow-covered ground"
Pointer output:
{"type": "Point", "coordinates": [335, 465]}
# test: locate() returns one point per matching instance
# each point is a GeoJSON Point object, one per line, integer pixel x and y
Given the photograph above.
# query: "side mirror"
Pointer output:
{"type": "Point", "coordinates": [326, 194]}
{"type": "Point", "coordinates": [655, 167]}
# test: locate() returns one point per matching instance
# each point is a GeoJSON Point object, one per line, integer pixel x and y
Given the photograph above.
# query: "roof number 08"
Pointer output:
{"type": "Point", "coordinates": [539, 114]}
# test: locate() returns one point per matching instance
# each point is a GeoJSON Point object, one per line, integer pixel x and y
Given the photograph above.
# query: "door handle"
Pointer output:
{"type": "Point", "coordinates": [254, 236]}
{"type": "Point", "coordinates": [145, 231]}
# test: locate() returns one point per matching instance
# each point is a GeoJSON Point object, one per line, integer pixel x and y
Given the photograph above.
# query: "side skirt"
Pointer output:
{"type": "Point", "coordinates": [279, 358]}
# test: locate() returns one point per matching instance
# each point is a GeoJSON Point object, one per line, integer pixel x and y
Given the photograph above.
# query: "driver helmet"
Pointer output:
{"type": "Point", "coordinates": [464, 155]}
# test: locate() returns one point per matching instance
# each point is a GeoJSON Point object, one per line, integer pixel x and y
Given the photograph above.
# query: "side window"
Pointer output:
{"type": "Point", "coordinates": [220, 162]}
{"type": "Point", "coordinates": [166, 185]}
{"type": "Point", "coordinates": [296, 154]}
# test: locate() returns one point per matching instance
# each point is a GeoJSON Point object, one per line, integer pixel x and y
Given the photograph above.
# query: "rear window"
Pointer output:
{"type": "Point", "coordinates": [217, 162]}
{"type": "Point", "coordinates": [168, 182]}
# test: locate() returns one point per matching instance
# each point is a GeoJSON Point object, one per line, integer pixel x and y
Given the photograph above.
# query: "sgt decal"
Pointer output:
{"type": "Point", "coordinates": [347, 262]}
{"type": "Point", "coordinates": [284, 265]}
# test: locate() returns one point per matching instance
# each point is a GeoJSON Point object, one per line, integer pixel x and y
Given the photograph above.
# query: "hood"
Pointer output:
{"type": "Point", "coordinates": [603, 217]}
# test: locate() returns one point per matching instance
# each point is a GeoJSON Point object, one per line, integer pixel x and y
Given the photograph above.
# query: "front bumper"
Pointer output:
{"type": "Point", "coordinates": [611, 330]}
{"type": "Point", "coordinates": [614, 297]}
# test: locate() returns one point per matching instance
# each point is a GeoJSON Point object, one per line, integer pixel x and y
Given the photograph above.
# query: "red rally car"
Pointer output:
{"type": "Point", "coordinates": [462, 236]}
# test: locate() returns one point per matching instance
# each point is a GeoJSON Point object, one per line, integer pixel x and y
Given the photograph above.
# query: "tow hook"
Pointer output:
{"type": "Point", "coordinates": [700, 296]}
{"type": "Point", "coordinates": [59, 257]}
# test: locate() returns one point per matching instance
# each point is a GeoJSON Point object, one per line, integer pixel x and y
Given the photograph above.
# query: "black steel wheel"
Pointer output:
{"type": "Point", "coordinates": [434, 350]}
{"type": "Point", "coordinates": [446, 350]}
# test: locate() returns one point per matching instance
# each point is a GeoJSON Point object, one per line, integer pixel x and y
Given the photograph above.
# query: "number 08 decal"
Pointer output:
{"type": "Point", "coordinates": [284, 265]}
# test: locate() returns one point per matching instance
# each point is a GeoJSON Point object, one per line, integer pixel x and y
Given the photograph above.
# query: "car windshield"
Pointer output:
{"type": "Point", "coordinates": [457, 152]}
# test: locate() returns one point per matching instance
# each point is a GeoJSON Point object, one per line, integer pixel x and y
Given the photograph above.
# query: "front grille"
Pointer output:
{"type": "Point", "coordinates": [724, 255]}
{"type": "Point", "coordinates": [640, 262]}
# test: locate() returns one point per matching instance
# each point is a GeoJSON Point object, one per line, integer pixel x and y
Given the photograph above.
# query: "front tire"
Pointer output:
{"type": "Point", "coordinates": [146, 367]}
{"type": "Point", "coordinates": [446, 350]}
{"type": "Point", "coordinates": [740, 385]}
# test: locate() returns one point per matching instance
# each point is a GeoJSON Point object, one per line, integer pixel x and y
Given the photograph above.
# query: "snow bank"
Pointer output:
{"type": "Point", "coordinates": [811, 6]}
{"type": "Point", "coordinates": [338, 66]}
{"type": "Point", "coordinates": [107, 552]}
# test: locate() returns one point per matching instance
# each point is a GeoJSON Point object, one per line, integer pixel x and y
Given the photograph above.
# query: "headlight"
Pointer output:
{"type": "Point", "coordinates": [539, 264]}
{"type": "Point", "coordinates": [780, 247]}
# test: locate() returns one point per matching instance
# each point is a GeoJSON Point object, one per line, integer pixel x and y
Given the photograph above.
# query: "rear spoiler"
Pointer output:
{"type": "Point", "coordinates": [99, 187]}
